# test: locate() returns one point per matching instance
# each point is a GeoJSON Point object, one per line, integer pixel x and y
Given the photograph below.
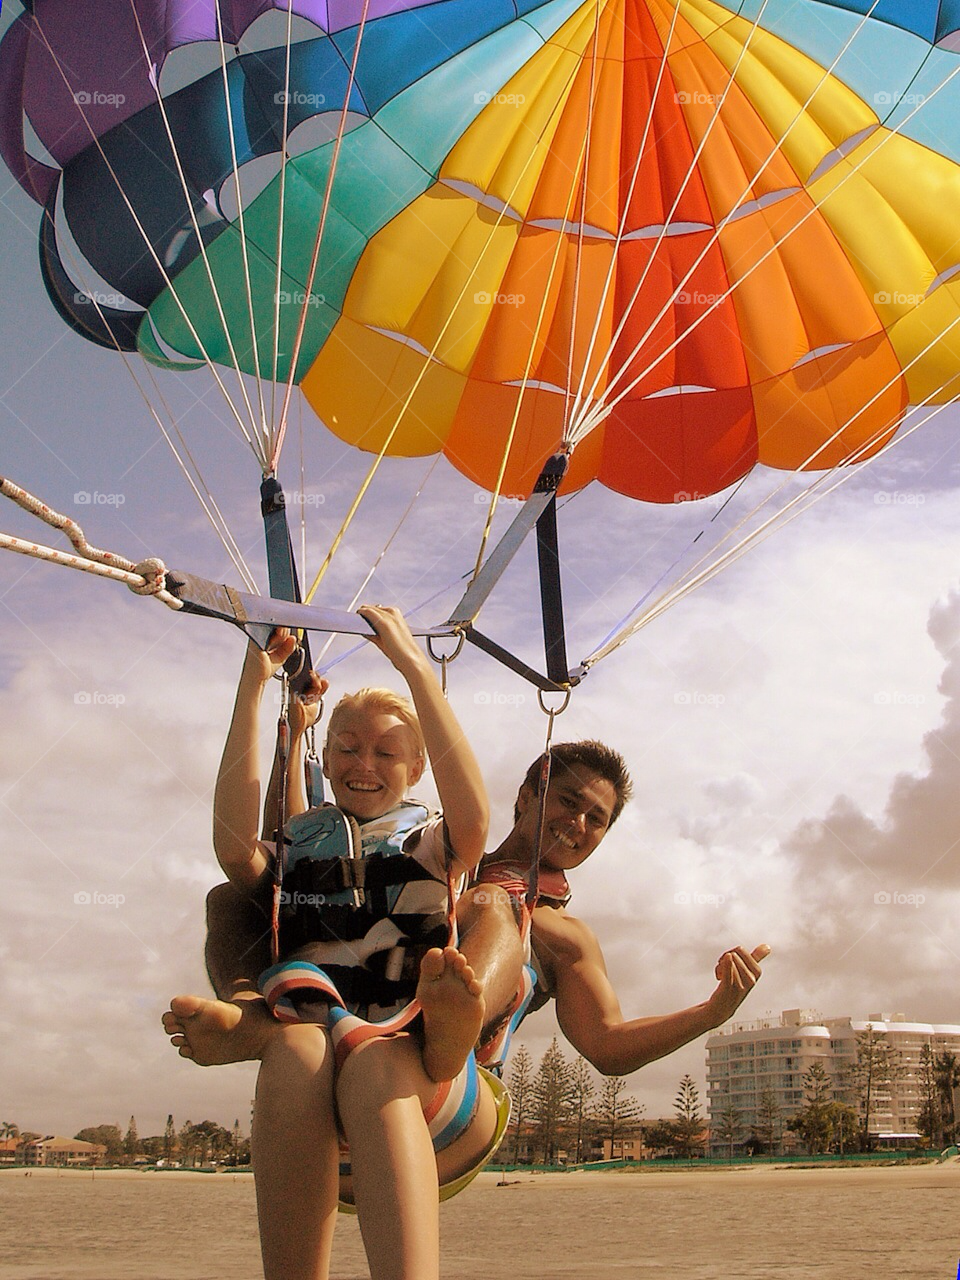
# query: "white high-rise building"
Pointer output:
{"type": "Point", "coordinates": [748, 1059]}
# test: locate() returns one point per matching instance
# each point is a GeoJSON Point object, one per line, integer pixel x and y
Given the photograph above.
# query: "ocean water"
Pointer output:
{"type": "Point", "coordinates": [889, 1224]}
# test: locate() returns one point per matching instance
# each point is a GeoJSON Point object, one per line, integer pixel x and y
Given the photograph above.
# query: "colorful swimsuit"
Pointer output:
{"type": "Point", "coordinates": [359, 904]}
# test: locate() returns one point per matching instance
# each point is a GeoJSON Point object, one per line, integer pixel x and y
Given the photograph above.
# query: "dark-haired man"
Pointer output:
{"type": "Point", "coordinates": [589, 785]}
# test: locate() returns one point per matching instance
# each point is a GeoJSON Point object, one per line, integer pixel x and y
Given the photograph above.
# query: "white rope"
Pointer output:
{"type": "Point", "coordinates": [244, 250]}
{"type": "Point", "coordinates": [145, 578]}
{"type": "Point", "coordinates": [571, 414]}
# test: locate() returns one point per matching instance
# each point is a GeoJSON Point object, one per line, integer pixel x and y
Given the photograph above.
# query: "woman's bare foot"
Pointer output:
{"type": "Point", "coordinates": [451, 996]}
{"type": "Point", "coordinates": [214, 1032]}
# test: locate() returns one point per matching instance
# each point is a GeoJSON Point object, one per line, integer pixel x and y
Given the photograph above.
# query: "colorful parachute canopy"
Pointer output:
{"type": "Point", "coordinates": [676, 237]}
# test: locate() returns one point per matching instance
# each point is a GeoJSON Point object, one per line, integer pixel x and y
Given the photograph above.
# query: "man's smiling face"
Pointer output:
{"type": "Point", "coordinates": [579, 807]}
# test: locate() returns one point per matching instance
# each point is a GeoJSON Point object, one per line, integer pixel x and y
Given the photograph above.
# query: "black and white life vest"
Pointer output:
{"type": "Point", "coordinates": [372, 907]}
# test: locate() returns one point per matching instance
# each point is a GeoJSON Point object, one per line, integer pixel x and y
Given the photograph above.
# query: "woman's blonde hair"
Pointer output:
{"type": "Point", "coordinates": [385, 702]}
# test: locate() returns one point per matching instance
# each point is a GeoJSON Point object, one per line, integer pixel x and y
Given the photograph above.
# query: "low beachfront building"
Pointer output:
{"type": "Point", "coordinates": [755, 1073]}
{"type": "Point", "coordinates": [52, 1151]}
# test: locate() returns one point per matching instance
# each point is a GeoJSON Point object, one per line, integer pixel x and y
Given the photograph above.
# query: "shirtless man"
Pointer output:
{"type": "Point", "coordinates": [588, 788]}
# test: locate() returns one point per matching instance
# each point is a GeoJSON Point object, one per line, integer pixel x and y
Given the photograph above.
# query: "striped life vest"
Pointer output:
{"type": "Point", "coordinates": [372, 908]}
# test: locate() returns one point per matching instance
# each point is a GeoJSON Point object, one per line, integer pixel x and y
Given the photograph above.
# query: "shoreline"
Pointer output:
{"type": "Point", "coordinates": [931, 1173]}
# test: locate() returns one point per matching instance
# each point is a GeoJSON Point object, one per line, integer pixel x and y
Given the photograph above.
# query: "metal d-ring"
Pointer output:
{"type": "Point", "coordinates": [445, 659]}
{"type": "Point", "coordinates": [554, 711]}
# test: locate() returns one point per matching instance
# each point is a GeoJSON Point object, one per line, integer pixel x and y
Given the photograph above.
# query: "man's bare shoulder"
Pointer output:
{"type": "Point", "coordinates": [560, 938]}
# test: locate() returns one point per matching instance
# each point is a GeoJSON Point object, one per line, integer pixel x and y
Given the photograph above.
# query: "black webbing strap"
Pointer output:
{"type": "Point", "coordinates": [551, 600]}
{"type": "Point", "coordinates": [282, 571]}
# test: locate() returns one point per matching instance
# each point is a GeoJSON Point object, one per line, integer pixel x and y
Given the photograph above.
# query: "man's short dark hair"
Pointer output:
{"type": "Point", "coordinates": [589, 754]}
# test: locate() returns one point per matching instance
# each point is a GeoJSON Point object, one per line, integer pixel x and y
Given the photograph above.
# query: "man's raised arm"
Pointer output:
{"type": "Point", "coordinates": [589, 1012]}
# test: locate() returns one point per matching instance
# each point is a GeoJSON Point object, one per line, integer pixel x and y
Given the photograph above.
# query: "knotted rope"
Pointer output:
{"type": "Point", "coordinates": [146, 578]}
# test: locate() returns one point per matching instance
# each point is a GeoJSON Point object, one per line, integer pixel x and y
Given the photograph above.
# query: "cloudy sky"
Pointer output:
{"type": "Point", "coordinates": [793, 728]}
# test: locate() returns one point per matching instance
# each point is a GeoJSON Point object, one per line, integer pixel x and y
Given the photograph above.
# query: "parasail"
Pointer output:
{"type": "Point", "coordinates": [647, 243]}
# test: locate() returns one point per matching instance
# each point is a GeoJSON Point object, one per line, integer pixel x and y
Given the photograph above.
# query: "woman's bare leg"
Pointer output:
{"type": "Point", "coordinates": [296, 1154]}
{"type": "Point", "coordinates": [381, 1092]}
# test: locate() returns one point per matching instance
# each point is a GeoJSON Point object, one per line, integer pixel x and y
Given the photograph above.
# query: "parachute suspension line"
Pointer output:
{"type": "Point", "coordinates": [386, 547]}
{"type": "Point", "coordinates": [303, 487]}
{"type": "Point", "coordinates": [248, 284]}
{"type": "Point", "coordinates": [146, 578]}
{"type": "Point", "coordinates": [282, 214]}
{"type": "Point", "coordinates": [664, 230]}
{"type": "Point", "coordinates": [668, 572]}
{"type": "Point", "coordinates": [571, 415]}
{"type": "Point", "coordinates": [279, 859]}
{"type": "Point", "coordinates": [606, 406]}
{"type": "Point", "coordinates": [206, 499]}
{"type": "Point", "coordinates": [546, 764]}
{"type": "Point", "coordinates": [853, 460]}
{"type": "Point", "coordinates": [578, 170]}
{"type": "Point", "coordinates": [146, 239]}
{"type": "Point", "coordinates": [584, 190]}
{"type": "Point", "coordinates": [431, 356]}
{"type": "Point", "coordinates": [796, 506]}
{"type": "Point", "coordinates": [315, 260]}
{"type": "Point", "coordinates": [201, 244]}
{"type": "Point", "coordinates": [342, 657]}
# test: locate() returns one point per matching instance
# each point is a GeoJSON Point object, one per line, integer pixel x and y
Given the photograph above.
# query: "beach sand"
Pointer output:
{"type": "Point", "coordinates": [756, 1223]}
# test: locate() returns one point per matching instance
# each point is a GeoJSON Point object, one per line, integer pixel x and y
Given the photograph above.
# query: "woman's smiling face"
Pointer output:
{"type": "Point", "coordinates": [371, 761]}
